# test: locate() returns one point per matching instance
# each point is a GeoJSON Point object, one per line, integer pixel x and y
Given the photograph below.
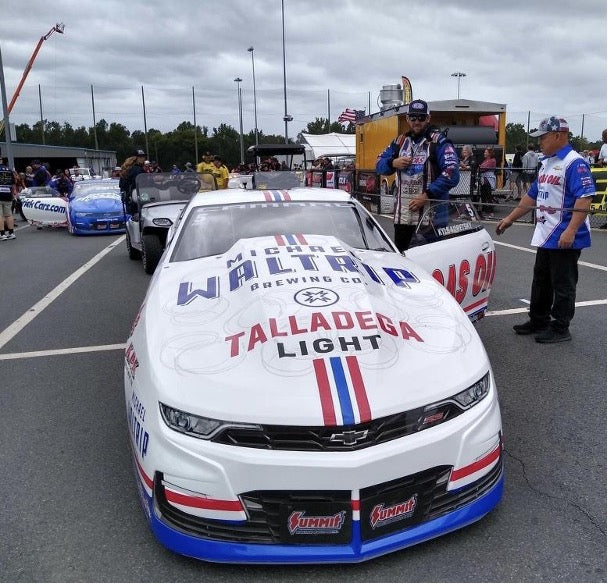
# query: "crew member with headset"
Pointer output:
{"type": "Point", "coordinates": [427, 168]}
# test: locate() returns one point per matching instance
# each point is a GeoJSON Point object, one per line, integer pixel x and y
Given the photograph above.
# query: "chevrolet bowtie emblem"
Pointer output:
{"type": "Point", "coordinates": [350, 437]}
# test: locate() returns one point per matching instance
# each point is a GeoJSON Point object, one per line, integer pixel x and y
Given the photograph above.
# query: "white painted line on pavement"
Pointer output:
{"type": "Point", "coordinates": [53, 352]}
{"type": "Point", "coordinates": [533, 250]}
{"type": "Point", "coordinates": [9, 332]}
{"type": "Point", "coordinates": [525, 309]}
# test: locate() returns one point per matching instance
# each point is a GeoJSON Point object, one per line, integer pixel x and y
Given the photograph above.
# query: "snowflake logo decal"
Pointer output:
{"type": "Point", "coordinates": [316, 297]}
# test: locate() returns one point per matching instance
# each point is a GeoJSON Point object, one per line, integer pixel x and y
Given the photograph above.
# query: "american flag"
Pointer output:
{"type": "Point", "coordinates": [351, 115]}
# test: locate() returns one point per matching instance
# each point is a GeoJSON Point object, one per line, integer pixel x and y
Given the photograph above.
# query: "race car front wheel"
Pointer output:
{"type": "Point", "coordinates": [151, 250]}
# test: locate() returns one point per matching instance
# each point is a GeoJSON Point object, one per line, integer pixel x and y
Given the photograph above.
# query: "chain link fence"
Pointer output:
{"type": "Point", "coordinates": [378, 195]}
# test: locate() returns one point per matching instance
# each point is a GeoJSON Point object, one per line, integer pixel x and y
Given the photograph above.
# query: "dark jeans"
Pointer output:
{"type": "Point", "coordinates": [554, 287]}
{"type": "Point", "coordinates": [403, 235]}
{"type": "Point", "coordinates": [486, 198]}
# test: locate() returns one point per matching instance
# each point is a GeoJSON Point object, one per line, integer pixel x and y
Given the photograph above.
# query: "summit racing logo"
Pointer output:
{"type": "Point", "coordinates": [297, 522]}
{"type": "Point", "coordinates": [382, 515]}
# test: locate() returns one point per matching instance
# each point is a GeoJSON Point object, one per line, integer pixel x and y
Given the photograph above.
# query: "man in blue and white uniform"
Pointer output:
{"type": "Point", "coordinates": [562, 195]}
{"type": "Point", "coordinates": [427, 168]}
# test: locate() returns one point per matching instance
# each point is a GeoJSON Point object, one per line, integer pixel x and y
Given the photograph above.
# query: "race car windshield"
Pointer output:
{"type": "Point", "coordinates": [213, 230]}
{"type": "Point", "coordinates": [85, 190]}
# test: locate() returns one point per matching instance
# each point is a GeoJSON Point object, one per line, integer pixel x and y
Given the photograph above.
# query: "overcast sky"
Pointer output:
{"type": "Point", "coordinates": [539, 56]}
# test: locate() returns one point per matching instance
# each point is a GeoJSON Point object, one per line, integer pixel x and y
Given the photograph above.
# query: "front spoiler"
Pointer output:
{"type": "Point", "coordinates": [356, 551]}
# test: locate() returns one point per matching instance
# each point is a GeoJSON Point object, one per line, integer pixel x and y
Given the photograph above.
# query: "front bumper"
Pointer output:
{"type": "Point", "coordinates": [484, 495]}
{"type": "Point", "coordinates": [103, 225]}
{"type": "Point", "coordinates": [230, 504]}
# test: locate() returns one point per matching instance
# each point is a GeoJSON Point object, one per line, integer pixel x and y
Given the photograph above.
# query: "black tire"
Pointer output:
{"type": "Point", "coordinates": [134, 254]}
{"type": "Point", "coordinates": [151, 250]}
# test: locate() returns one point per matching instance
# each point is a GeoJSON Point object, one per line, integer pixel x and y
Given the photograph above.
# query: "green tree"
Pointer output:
{"type": "Point", "coordinates": [225, 143]}
{"type": "Point", "coordinates": [319, 126]}
{"type": "Point", "coordinates": [516, 134]}
{"type": "Point", "coordinates": [167, 148]}
{"type": "Point", "coordinates": [322, 126]}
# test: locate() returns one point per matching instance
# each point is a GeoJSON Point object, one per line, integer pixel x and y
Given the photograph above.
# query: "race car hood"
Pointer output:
{"type": "Point", "coordinates": [97, 203]}
{"type": "Point", "coordinates": [317, 333]}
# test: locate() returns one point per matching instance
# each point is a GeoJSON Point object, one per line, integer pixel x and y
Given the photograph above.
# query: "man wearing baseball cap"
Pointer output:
{"type": "Point", "coordinates": [562, 195]}
{"type": "Point", "coordinates": [427, 168]}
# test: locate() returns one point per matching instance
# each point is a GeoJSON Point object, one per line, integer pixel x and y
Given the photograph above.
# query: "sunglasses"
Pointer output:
{"type": "Point", "coordinates": [417, 117]}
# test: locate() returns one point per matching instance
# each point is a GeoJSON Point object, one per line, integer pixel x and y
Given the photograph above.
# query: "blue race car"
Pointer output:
{"type": "Point", "coordinates": [95, 206]}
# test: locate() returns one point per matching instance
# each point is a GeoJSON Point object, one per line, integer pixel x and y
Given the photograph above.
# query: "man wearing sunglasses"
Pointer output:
{"type": "Point", "coordinates": [427, 165]}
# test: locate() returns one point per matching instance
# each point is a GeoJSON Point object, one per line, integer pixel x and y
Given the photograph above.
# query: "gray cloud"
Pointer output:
{"type": "Point", "coordinates": [536, 56]}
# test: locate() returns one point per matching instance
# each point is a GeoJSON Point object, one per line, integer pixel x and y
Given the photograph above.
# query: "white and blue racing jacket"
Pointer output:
{"type": "Point", "coordinates": [434, 168]}
{"type": "Point", "coordinates": [562, 179]}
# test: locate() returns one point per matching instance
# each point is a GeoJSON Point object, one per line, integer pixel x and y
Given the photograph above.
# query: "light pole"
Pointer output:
{"type": "Point", "coordinates": [458, 74]}
{"type": "Point", "coordinates": [255, 106]}
{"type": "Point", "coordinates": [7, 127]}
{"type": "Point", "coordinates": [286, 116]}
{"type": "Point", "coordinates": [240, 103]}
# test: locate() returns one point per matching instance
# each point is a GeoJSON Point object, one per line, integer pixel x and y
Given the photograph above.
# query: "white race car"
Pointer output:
{"type": "Point", "coordinates": [297, 391]}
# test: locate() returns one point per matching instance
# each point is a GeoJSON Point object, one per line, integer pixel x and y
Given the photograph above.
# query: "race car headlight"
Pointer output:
{"type": "Point", "coordinates": [197, 426]}
{"type": "Point", "coordinates": [162, 222]}
{"type": "Point", "coordinates": [451, 407]}
{"type": "Point", "coordinates": [471, 395]}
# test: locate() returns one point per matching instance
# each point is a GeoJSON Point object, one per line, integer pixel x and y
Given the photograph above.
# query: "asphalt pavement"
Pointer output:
{"type": "Point", "coordinates": [70, 509]}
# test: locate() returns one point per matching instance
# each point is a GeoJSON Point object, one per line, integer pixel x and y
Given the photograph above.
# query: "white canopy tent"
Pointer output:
{"type": "Point", "coordinates": [332, 144]}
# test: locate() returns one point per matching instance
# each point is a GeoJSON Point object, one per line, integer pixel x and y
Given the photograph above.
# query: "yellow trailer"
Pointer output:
{"type": "Point", "coordinates": [477, 123]}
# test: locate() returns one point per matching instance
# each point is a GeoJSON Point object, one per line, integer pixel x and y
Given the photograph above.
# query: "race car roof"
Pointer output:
{"type": "Point", "coordinates": [270, 196]}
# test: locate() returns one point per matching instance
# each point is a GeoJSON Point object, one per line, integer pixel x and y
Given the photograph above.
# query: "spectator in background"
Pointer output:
{"type": "Point", "coordinates": [588, 157]}
{"type": "Point", "coordinates": [61, 184]}
{"type": "Point", "coordinates": [517, 185]}
{"type": "Point", "coordinates": [206, 165]}
{"type": "Point", "coordinates": [220, 173]}
{"type": "Point", "coordinates": [7, 192]}
{"type": "Point", "coordinates": [188, 167]}
{"type": "Point", "coordinates": [41, 176]}
{"type": "Point", "coordinates": [529, 162]}
{"type": "Point", "coordinates": [175, 169]}
{"type": "Point", "coordinates": [147, 166]}
{"type": "Point", "coordinates": [487, 177]}
{"type": "Point", "coordinates": [601, 157]}
{"type": "Point", "coordinates": [468, 168]}
{"type": "Point", "coordinates": [20, 184]}
{"type": "Point", "coordinates": [129, 170]}
{"type": "Point", "coordinates": [29, 176]}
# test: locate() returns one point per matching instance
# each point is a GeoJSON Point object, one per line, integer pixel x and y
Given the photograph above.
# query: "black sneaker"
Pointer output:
{"type": "Point", "coordinates": [530, 328]}
{"type": "Point", "coordinates": [553, 336]}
